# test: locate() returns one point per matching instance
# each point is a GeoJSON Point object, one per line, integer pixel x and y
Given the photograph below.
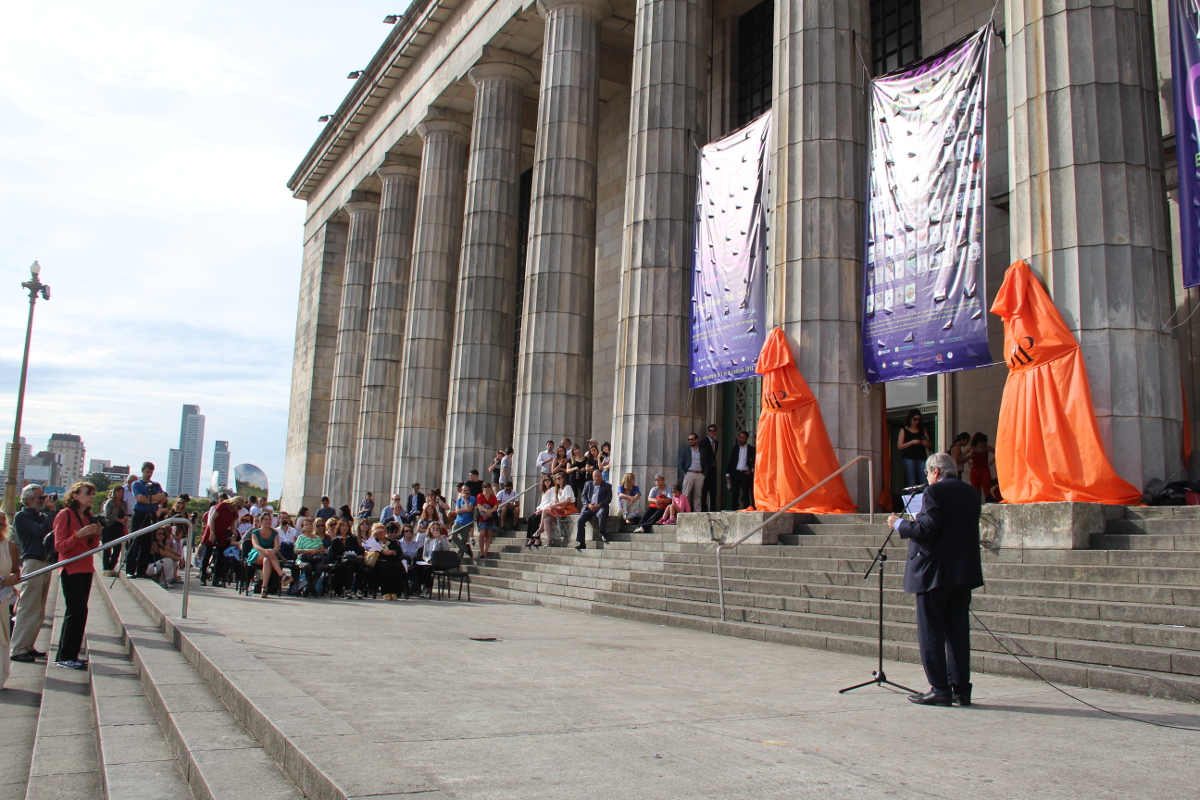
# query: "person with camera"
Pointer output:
{"type": "Point", "coordinates": [32, 524]}
{"type": "Point", "coordinates": [943, 567]}
{"type": "Point", "coordinates": [75, 532]}
{"type": "Point", "coordinates": [147, 495]}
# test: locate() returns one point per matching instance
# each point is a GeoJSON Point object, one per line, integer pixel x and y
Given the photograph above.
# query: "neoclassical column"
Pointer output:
{"type": "Point", "coordinates": [312, 364]}
{"type": "Point", "coordinates": [429, 327]}
{"type": "Point", "coordinates": [554, 378]}
{"type": "Point", "coordinates": [819, 187]}
{"type": "Point", "coordinates": [1087, 212]}
{"type": "Point", "coordinates": [650, 422]}
{"type": "Point", "coordinates": [385, 331]}
{"type": "Point", "coordinates": [351, 346]}
{"type": "Point", "coordinates": [479, 413]}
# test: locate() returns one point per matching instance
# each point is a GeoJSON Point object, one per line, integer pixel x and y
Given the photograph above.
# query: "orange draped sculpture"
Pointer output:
{"type": "Point", "coordinates": [793, 451]}
{"type": "Point", "coordinates": [1047, 442]}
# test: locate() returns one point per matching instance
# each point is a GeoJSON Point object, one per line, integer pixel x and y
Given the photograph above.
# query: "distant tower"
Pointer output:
{"type": "Point", "coordinates": [25, 453]}
{"type": "Point", "coordinates": [71, 448]}
{"type": "Point", "coordinates": [220, 463]}
{"type": "Point", "coordinates": [183, 467]}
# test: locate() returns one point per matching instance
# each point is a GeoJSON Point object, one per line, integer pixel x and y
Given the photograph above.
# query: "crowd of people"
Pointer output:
{"type": "Point", "coordinates": [974, 458]}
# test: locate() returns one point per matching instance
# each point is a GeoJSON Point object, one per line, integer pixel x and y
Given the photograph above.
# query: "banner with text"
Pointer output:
{"type": "Point", "coordinates": [729, 255]}
{"type": "Point", "coordinates": [1185, 72]}
{"type": "Point", "coordinates": [923, 284]}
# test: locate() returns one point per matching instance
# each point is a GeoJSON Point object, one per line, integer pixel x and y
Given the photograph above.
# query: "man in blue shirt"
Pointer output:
{"type": "Point", "coordinates": [147, 494]}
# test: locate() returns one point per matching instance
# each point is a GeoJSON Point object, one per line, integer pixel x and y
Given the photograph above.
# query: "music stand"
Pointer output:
{"type": "Point", "coordinates": [880, 677]}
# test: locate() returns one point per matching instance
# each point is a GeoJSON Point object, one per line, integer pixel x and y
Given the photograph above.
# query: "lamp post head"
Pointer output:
{"type": "Point", "coordinates": [35, 269]}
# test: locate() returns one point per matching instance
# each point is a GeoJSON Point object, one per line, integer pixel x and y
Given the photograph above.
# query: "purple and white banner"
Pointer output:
{"type": "Point", "coordinates": [1185, 74]}
{"type": "Point", "coordinates": [729, 255]}
{"type": "Point", "coordinates": [924, 309]}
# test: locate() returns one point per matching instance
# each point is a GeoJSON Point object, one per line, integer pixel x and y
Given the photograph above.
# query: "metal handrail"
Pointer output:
{"type": "Point", "coordinates": [789, 506]}
{"type": "Point", "coordinates": [187, 566]}
{"type": "Point", "coordinates": [506, 502]}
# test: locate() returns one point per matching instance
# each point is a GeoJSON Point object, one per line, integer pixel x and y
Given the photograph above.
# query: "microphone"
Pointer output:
{"type": "Point", "coordinates": [911, 490]}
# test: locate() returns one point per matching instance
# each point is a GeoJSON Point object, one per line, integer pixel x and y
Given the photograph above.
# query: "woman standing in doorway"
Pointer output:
{"type": "Point", "coordinates": [914, 445]}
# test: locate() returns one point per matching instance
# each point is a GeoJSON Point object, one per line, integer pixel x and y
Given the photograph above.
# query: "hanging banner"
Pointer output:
{"type": "Point", "coordinates": [729, 255]}
{"type": "Point", "coordinates": [923, 283]}
{"type": "Point", "coordinates": [1185, 73]}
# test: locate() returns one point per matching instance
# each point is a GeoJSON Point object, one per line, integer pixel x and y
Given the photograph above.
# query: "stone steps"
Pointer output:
{"type": "Point", "coordinates": [1142, 682]}
{"type": "Point", "coordinates": [65, 761]}
{"type": "Point", "coordinates": [248, 730]}
{"type": "Point", "coordinates": [22, 706]}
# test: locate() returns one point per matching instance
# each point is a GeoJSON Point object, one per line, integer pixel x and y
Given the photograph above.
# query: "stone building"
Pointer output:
{"type": "Point", "coordinates": [70, 447]}
{"type": "Point", "coordinates": [498, 221]}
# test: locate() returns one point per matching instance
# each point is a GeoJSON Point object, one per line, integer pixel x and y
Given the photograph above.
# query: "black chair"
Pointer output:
{"type": "Point", "coordinates": [445, 564]}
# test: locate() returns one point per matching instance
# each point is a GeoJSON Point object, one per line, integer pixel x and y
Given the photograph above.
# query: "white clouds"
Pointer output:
{"type": "Point", "coordinates": [145, 151]}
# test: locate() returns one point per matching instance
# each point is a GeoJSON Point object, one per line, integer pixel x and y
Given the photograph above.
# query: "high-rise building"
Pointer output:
{"type": "Point", "coordinates": [183, 466]}
{"type": "Point", "coordinates": [220, 462]}
{"type": "Point", "coordinates": [46, 468]}
{"type": "Point", "coordinates": [100, 465]}
{"type": "Point", "coordinates": [25, 453]}
{"type": "Point", "coordinates": [71, 448]}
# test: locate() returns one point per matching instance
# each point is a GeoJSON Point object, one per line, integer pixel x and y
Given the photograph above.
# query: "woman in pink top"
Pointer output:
{"type": "Point", "coordinates": [75, 533]}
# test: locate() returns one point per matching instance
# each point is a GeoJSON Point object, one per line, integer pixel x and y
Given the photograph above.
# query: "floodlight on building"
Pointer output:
{"type": "Point", "coordinates": [391, 19]}
{"type": "Point", "coordinates": [325, 118]}
{"type": "Point", "coordinates": [355, 75]}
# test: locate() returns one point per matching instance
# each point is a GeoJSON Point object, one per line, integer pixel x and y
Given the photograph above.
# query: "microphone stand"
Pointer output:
{"type": "Point", "coordinates": [880, 678]}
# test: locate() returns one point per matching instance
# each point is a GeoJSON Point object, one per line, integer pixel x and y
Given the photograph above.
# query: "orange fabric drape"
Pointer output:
{"type": "Point", "coordinates": [793, 448]}
{"type": "Point", "coordinates": [1048, 443]}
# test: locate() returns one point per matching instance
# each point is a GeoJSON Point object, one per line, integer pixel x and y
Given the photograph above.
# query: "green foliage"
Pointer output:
{"type": "Point", "coordinates": [101, 483]}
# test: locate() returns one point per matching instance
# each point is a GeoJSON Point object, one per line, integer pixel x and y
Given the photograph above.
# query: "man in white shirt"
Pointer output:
{"type": "Point", "coordinates": [545, 457]}
{"type": "Point", "coordinates": [506, 497]}
{"type": "Point", "coordinates": [739, 472]}
{"type": "Point", "coordinates": [694, 462]}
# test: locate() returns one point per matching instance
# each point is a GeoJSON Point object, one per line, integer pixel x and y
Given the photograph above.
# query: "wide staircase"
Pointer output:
{"type": "Point", "coordinates": [1123, 615]}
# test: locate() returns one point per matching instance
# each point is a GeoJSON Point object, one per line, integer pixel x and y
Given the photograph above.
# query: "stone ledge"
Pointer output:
{"type": "Point", "coordinates": [729, 526]}
{"type": "Point", "coordinates": [1045, 526]}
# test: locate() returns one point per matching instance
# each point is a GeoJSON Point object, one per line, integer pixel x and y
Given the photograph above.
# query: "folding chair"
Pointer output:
{"type": "Point", "coordinates": [445, 564]}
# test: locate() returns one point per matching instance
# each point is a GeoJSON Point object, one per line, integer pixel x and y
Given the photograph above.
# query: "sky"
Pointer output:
{"type": "Point", "coordinates": [145, 152]}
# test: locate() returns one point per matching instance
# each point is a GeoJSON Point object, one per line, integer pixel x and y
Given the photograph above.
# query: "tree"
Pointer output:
{"type": "Point", "coordinates": [101, 483]}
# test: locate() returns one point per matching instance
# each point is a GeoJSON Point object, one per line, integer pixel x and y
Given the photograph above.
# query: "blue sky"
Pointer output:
{"type": "Point", "coordinates": [145, 151]}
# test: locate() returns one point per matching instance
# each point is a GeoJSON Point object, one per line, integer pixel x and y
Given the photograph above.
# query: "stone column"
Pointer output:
{"type": "Point", "coordinates": [312, 365]}
{"type": "Point", "coordinates": [385, 332]}
{"type": "Point", "coordinates": [351, 346]}
{"type": "Point", "coordinates": [425, 367]}
{"type": "Point", "coordinates": [1085, 156]}
{"type": "Point", "coordinates": [479, 413]}
{"type": "Point", "coordinates": [819, 187]}
{"type": "Point", "coordinates": [650, 422]}
{"type": "Point", "coordinates": [554, 378]}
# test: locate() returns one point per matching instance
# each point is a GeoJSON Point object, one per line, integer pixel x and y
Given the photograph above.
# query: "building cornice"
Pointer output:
{"type": "Point", "coordinates": [402, 47]}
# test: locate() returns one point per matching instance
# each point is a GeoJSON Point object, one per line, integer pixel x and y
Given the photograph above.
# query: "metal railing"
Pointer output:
{"type": "Point", "coordinates": [187, 566]}
{"type": "Point", "coordinates": [789, 506]}
{"type": "Point", "coordinates": [522, 493]}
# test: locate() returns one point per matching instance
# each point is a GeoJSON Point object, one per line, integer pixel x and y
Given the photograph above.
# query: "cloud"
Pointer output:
{"type": "Point", "coordinates": [145, 151]}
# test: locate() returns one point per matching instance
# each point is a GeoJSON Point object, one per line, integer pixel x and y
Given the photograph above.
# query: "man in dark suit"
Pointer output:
{"type": "Point", "coordinates": [695, 461]}
{"type": "Point", "coordinates": [943, 567]}
{"type": "Point", "coordinates": [712, 486]}
{"type": "Point", "coordinates": [595, 498]}
{"type": "Point", "coordinates": [739, 471]}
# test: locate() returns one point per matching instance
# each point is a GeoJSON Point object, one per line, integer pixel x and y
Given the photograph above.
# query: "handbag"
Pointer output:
{"type": "Point", "coordinates": [371, 558]}
{"type": "Point", "coordinates": [563, 511]}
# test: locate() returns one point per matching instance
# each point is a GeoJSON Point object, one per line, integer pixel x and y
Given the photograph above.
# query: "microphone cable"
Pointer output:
{"type": "Point", "coordinates": [1080, 699]}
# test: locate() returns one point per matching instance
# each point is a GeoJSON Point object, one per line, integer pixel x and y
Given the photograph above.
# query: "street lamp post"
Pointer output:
{"type": "Point", "coordinates": [35, 287]}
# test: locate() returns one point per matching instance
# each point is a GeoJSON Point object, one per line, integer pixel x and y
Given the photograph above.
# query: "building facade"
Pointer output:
{"type": "Point", "coordinates": [24, 453]}
{"type": "Point", "coordinates": [70, 447]}
{"type": "Point", "coordinates": [220, 464]}
{"type": "Point", "coordinates": [183, 463]}
{"type": "Point", "coordinates": [498, 225]}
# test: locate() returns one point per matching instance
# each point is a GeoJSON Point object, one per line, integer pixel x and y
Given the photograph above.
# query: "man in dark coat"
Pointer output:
{"type": "Point", "coordinates": [596, 498]}
{"type": "Point", "coordinates": [943, 567]}
{"type": "Point", "coordinates": [739, 471]}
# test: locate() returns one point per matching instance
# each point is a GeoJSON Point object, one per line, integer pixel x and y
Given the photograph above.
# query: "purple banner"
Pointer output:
{"type": "Point", "coordinates": [1185, 72]}
{"type": "Point", "coordinates": [924, 308]}
{"type": "Point", "coordinates": [729, 255]}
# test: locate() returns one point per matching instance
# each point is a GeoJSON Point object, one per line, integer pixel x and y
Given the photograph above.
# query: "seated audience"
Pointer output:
{"type": "Point", "coordinates": [629, 496]}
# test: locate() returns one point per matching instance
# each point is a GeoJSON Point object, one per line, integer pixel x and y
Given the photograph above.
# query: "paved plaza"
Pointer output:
{"type": "Point", "coordinates": [567, 705]}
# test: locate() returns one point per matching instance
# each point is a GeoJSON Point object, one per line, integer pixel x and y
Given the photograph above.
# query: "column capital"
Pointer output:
{"type": "Point", "coordinates": [361, 206]}
{"type": "Point", "coordinates": [399, 168]}
{"type": "Point", "coordinates": [600, 10]}
{"type": "Point", "coordinates": [440, 120]}
{"type": "Point", "coordinates": [499, 69]}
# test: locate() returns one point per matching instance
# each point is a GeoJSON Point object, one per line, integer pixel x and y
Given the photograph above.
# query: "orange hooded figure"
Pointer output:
{"type": "Point", "coordinates": [793, 451]}
{"type": "Point", "coordinates": [1047, 442]}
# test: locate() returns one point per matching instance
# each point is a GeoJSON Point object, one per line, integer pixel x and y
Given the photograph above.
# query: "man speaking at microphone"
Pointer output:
{"type": "Point", "coordinates": [943, 568]}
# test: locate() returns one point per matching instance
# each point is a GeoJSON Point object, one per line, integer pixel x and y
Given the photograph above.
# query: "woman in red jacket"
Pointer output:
{"type": "Point", "coordinates": [75, 533]}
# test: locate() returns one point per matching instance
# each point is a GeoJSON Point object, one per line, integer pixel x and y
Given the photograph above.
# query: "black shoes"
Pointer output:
{"type": "Point", "coordinates": [932, 698]}
{"type": "Point", "coordinates": [580, 547]}
{"type": "Point", "coordinates": [24, 658]}
{"type": "Point", "coordinates": [963, 698]}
